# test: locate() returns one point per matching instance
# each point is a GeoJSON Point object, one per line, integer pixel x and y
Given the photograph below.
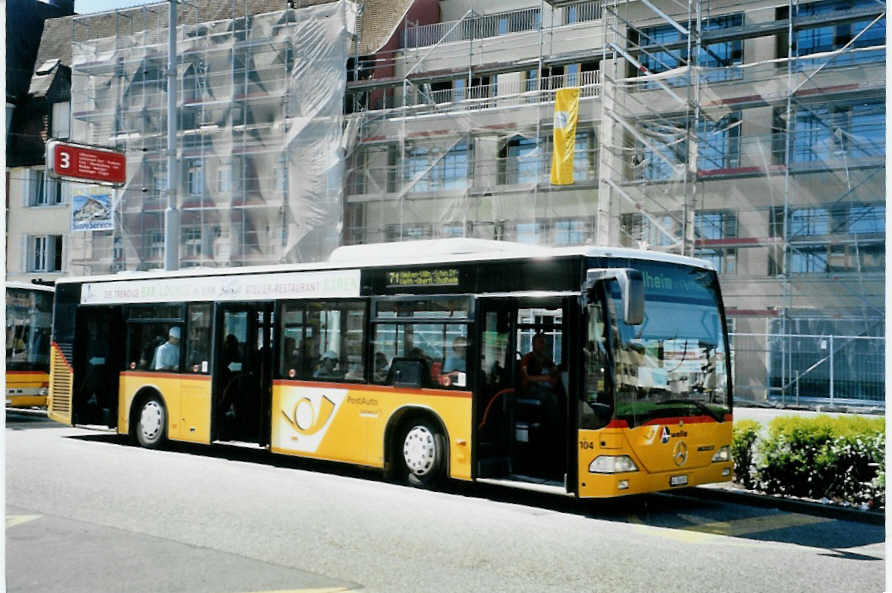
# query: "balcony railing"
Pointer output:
{"type": "Point", "coordinates": [508, 92]}
{"type": "Point", "coordinates": [485, 26]}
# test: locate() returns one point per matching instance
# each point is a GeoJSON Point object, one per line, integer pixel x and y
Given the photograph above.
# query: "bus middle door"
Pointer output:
{"type": "Point", "coordinates": [241, 383]}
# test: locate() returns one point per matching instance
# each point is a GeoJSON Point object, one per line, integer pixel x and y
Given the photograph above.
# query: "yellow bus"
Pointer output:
{"type": "Point", "coordinates": [589, 372]}
{"type": "Point", "coordinates": [29, 312]}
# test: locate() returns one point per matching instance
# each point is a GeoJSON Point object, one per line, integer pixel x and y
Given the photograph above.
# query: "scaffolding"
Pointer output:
{"type": "Point", "coordinates": [744, 133]}
{"type": "Point", "coordinates": [259, 120]}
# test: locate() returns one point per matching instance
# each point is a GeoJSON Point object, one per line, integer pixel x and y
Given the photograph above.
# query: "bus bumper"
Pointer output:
{"type": "Point", "coordinates": [611, 485]}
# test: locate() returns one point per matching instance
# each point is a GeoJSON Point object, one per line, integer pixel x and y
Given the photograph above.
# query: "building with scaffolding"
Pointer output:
{"type": "Point", "coordinates": [750, 134]}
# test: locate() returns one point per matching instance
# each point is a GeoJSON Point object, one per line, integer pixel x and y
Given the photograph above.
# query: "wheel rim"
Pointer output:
{"type": "Point", "coordinates": [419, 450]}
{"type": "Point", "coordinates": [151, 420]}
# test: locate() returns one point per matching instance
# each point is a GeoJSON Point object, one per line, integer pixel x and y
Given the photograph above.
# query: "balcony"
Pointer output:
{"type": "Point", "coordinates": [506, 92]}
{"type": "Point", "coordinates": [485, 26]}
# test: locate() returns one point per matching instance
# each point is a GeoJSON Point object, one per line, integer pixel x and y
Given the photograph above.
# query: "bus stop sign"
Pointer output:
{"type": "Point", "coordinates": [86, 164]}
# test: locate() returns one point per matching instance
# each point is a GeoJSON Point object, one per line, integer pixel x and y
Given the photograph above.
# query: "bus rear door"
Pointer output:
{"type": "Point", "coordinates": [97, 363]}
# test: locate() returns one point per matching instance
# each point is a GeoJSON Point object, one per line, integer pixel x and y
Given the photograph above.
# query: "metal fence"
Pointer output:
{"type": "Point", "coordinates": [793, 368]}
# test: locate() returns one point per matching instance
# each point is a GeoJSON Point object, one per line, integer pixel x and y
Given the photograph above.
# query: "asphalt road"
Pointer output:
{"type": "Point", "coordinates": [89, 513]}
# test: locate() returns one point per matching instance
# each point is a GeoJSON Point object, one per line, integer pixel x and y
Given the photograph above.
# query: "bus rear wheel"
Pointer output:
{"type": "Point", "coordinates": [151, 423]}
{"type": "Point", "coordinates": [423, 453]}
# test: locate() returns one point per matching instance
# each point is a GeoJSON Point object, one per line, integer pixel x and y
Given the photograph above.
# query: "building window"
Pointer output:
{"type": "Point", "coordinates": [835, 36]}
{"type": "Point", "coordinates": [521, 157]}
{"type": "Point", "coordinates": [449, 172]}
{"type": "Point", "coordinates": [529, 232]}
{"type": "Point", "coordinates": [156, 249]}
{"type": "Point", "coordinates": [721, 224]}
{"type": "Point", "coordinates": [44, 253]}
{"type": "Point", "coordinates": [224, 179]}
{"type": "Point", "coordinates": [60, 120]}
{"type": "Point", "coordinates": [807, 222]}
{"type": "Point", "coordinates": [43, 190]}
{"type": "Point", "coordinates": [195, 178]}
{"type": "Point", "coordinates": [408, 232]}
{"type": "Point", "coordinates": [715, 55]}
{"type": "Point", "coordinates": [569, 232]}
{"type": "Point", "coordinates": [719, 143]}
{"type": "Point", "coordinates": [867, 219]}
{"type": "Point", "coordinates": [584, 157]}
{"type": "Point", "coordinates": [822, 133]}
{"type": "Point", "coordinates": [643, 230]}
{"type": "Point", "coordinates": [724, 260]}
{"type": "Point", "coordinates": [808, 259]}
{"type": "Point", "coordinates": [192, 242]}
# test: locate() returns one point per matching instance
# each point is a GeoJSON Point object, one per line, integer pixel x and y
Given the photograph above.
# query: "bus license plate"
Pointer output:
{"type": "Point", "coordinates": [678, 480]}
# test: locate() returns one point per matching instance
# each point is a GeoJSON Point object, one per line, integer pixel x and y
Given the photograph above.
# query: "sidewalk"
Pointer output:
{"type": "Point", "coordinates": [734, 493]}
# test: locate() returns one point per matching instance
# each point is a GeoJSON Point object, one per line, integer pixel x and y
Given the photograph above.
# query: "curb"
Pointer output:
{"type": "Point", "coordinates": [789, 504]}
{"type": "Point", "coordinates": [27, 411]}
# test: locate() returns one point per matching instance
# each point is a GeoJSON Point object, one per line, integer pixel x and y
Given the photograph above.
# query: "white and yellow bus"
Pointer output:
{"type": "Point", "coordinates": [29, 316]}
{"type": "Point", "coordinates": [590, 372]}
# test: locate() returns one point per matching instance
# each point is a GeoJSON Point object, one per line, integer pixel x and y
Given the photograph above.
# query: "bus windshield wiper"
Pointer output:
{"type": "Point", "coordinates": [699, 405]}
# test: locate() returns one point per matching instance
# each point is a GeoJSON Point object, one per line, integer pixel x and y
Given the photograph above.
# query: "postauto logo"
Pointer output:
{"type": "Point", "coordinates": [305, 419]}
{"type": "Point", "coordinates": [305, 414]}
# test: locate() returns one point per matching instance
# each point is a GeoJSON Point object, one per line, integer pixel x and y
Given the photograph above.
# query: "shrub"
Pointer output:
{"type": "Point", "coordinates": [743, 441]}
{"type": "Point", "coordinates": [822, 457]}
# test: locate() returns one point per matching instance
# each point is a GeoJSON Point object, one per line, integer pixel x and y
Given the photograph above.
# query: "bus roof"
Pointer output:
{"type": "Point", "coordinates": [29, 286]}
{"type": "Point", "coordinates": [433, 251]}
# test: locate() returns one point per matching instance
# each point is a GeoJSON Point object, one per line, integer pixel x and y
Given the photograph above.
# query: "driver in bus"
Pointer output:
{"type": "Point", "coordinates": [167, 355]}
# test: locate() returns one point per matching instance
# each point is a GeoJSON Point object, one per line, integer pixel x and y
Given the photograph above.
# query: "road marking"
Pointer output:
{"type": "Point", "coordinates": [13, 520]}
{"type": "Point", "coordinates": [739, 527]}
{"type": "Point", "coordinates": [322, 590]}
{"type": "Point", "coordinates": [671, 532]}
{"type": "Point", "coordinates": [706, 532]}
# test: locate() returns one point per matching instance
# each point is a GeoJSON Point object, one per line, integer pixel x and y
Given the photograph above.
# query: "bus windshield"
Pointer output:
{"type": "Point", "coordinates": [674, 363]}
{"type": "Point", "coordinates": [29, 316]}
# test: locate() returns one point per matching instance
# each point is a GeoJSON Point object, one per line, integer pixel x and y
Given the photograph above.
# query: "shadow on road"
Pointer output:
{"type": "Point", "coordinates": [680, 515]}
{"type": "Point", "coordinates": [28, 419]}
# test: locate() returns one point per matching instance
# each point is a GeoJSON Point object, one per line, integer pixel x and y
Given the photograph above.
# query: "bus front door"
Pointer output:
{"type": "Point", "coordinates": [242, 373]}
{"type": "Point", "coordinates": [521, 410]}
{"type": "Point", "coordinates": [97, 364]}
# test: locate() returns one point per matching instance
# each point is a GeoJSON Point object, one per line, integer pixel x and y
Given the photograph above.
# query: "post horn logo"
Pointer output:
{"type": "Point", "coordinates": [680, 453]}
{"type": "Point", "coordinates": [305, 419]}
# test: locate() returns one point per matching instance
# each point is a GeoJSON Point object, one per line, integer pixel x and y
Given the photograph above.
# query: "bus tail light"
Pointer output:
{"type": "Point", "coordinates": [612, 464]}
{"type": "Point", "coordinates": [723, 454]}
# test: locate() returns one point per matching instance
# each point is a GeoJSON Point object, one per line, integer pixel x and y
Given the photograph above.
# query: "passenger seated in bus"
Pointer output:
{"type": "Point", "coordinates": [167, 355]}
{"type": "Point", "coordinates": [327, 367]}
{"type": "Point", "coordinates": [382, 366]}
{"type": "Point", "coordinates": [456, 360]}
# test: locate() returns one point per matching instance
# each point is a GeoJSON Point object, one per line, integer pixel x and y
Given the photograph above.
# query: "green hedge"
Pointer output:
{"type": "Point", "coordinates": [840, 459]}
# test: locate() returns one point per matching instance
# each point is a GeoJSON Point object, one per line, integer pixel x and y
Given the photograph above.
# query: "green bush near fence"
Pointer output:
{"type": "Point", "coordinates": [840, 459]}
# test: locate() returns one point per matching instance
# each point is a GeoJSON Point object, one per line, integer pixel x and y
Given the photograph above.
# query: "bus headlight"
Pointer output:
{"type": "Point", "coordinates": [43, 391]}
{"type": "Point", "coordinates": [612, 464]}
{"type": "Point", "coordinates": [723, 454]}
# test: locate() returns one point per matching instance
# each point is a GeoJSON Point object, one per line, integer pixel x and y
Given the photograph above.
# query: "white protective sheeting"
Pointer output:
{"type": "Point", "coordinates": [259, 110]}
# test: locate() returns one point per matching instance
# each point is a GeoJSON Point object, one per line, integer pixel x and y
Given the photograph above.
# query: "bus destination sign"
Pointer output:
{"type": "Point", "coordinates": [427, 277]}
{"type": "Point", "coordinates": [88, 164]}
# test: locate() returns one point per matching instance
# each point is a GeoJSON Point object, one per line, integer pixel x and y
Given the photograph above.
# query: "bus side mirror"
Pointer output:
{"type": "Point", "coordinates": [631, 286]}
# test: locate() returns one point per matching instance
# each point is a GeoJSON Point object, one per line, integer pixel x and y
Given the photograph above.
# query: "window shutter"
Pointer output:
{"type": "Point", "coordinates": [27, 182]}
{"type": "Point", "coordinates": [26, 245]}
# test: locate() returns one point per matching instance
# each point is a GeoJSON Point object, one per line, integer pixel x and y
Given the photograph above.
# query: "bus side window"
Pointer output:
{"type": "Point", "coordinates": [197, 347]}
{"type": "Point", "coordinates": [322, 341]}
{"type": "Point", "coordinates": [154, 346]}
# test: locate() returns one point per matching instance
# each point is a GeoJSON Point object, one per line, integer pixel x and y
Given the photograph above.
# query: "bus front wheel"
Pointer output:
{"type": "Point", "coordinates": [151, 423]}
{"type": "Point", "coordinates": [423, 453]}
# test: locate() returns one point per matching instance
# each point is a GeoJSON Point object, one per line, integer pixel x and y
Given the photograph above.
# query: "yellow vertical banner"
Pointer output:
{"type": "Point", "coordinates": [566, 112]}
